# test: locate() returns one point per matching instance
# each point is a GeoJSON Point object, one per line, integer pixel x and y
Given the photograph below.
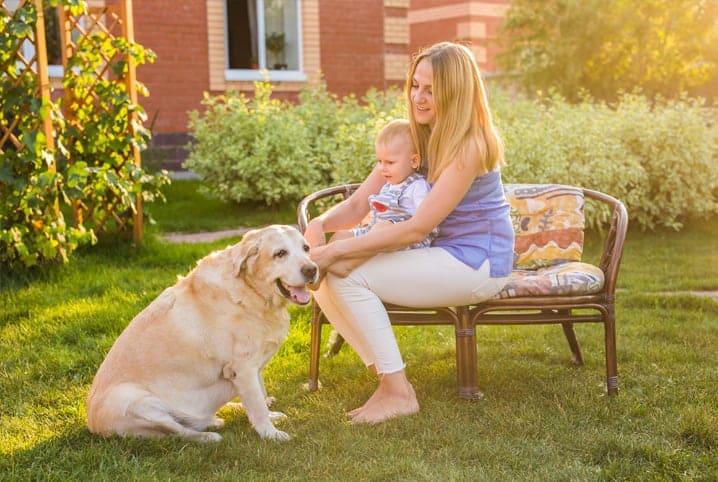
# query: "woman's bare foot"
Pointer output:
{"type": "Point", "coordinates": [394, 397]}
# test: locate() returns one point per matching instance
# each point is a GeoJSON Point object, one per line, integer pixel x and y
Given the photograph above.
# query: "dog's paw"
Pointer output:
{"type": "Point", "coordinates": [205, 437]}
{"type": "Point", "coordinates": [276, 435]}
{"type": "Point", "coordinates": [216, 423]}
{"type": "Point", "coordinates": [276, 415]}
{"type": "Point", "coordinates": [280, 436]}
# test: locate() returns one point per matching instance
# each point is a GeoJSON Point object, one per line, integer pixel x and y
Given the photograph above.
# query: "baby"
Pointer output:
{"type": "Point", "coordinates": [404, 190]}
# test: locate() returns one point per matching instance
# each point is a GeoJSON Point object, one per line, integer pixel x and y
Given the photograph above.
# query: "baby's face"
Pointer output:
{"type": "Point", "coordinates": [396, 160]}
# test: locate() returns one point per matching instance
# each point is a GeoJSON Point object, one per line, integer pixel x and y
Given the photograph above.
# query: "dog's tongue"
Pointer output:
{"type": "Point", "coordinates": [299, 295]}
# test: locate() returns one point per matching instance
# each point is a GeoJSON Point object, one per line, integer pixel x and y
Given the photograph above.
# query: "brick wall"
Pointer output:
{"type": "Point", "coordinates": [475, 23]}
{"type": "Point", "coordinates": [352, 45]}
{"type": "Point", "coordinates": [396, 42]}
{"type": "Point", "coordinates": [177, 33]}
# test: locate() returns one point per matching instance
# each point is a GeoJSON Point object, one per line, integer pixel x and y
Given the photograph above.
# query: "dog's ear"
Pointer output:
{"type": "Point", "coordinates": [248, 247]}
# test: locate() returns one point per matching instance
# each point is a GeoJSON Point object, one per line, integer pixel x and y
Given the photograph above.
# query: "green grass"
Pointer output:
{"type": "Point", "coordinates": [541, 418]}
{"type": "Point", "coordinates": [193, 210]}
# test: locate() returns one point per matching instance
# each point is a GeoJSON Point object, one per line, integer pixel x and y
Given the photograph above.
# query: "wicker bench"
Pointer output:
{"type": "Point", "coordinates": [549, 284]}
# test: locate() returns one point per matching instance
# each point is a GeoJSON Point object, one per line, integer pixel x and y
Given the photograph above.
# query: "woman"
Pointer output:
{"type": "Point", "coordinates": [469, 260]}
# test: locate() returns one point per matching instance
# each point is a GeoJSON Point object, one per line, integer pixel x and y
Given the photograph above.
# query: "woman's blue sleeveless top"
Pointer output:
{"type": "Point", "coordinates": [479, 228]}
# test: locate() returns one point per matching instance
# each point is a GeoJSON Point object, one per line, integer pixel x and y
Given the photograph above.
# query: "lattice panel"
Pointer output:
{"type": "Point", "coordinates": [94, 36]}
{"type": "Point", "coordinates": [19, 68]}
{"type": "Point", "coordinates": [97, 37]}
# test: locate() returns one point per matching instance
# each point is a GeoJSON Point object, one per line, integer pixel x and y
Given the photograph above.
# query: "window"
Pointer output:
{"type": "Point", "coordinates": [263, 34]}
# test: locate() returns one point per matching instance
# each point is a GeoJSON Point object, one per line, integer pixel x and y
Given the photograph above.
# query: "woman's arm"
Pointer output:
{"type": "Point", "coordinates": [347, 213]}
{"type": "Point", "coordinates": [444, 196]}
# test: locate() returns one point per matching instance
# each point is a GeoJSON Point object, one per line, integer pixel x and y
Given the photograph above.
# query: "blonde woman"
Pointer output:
{"type": "Point", "coordinates": [470, 259]}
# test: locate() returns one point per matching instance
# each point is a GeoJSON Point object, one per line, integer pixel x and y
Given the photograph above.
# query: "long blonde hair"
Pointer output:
{"type": "Point", "coordinates": [463, 126]}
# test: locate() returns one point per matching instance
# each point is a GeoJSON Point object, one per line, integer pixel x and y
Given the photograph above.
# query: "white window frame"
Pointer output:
{"type": "Point", "coordinates": [256, 75]}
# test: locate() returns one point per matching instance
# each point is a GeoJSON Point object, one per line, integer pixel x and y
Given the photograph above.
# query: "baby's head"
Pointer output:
{"type": "Point", "coordinates": [395, 152]}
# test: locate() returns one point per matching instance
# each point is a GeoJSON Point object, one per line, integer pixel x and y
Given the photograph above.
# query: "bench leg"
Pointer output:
{"type": "Point", "coordinates": [577, 357]}
{"type": "Point", "coordinates": [611, 361]}
{"type": "Point", "coordinates": [466, 362]}
{"type": "Point", "coordinates": [314, 347]}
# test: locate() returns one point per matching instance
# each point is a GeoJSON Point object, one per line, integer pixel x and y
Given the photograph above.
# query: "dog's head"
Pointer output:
{"type": "Point", "coordinates": [276, 259]}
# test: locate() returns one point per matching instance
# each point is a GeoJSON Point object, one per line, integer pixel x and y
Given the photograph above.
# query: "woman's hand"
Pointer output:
{"type": "Point", "coordinates": [323, 256]}
{"type": "Point", "coordinates": [343, 267]}
{"type": "Point", "coordinates": [314, 233]}
{"type": "Point", "coordinates": [329, 260]}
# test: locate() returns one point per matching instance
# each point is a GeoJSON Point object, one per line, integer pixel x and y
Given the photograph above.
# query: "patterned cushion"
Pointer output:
{"type": "Point", "coordinates": [548, 223]}
{"type": "Point", "coordinates": [562, 279]}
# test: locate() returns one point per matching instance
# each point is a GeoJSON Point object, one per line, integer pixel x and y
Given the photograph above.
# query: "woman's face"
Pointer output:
{"type": "Point", "coordinates": [422, 101]}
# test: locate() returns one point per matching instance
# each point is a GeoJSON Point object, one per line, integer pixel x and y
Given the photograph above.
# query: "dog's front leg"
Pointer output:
{"type": "Point", "coordinates": [273, 415]}
{"type": "Point", "coordinates": [247, 382]}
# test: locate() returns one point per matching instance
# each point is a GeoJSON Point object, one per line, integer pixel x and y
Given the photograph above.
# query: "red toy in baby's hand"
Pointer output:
{"type": "Point", "coordinates": [379, 206]}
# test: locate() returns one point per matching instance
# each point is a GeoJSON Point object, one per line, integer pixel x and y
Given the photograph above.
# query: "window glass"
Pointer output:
{"type": "Point", "coordinates": [275, 22]}
{"type": "Point", "coordinates": [280, 21]}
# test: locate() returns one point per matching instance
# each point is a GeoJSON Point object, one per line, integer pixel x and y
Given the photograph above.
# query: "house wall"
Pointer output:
{"type": "Point", "coordinates": [396, 42]}
{"type": "Point", "coordinates": [180, 75]}
{"type": "Point", "coordinates": [351, 36]}
{"type": "Point", "coordinates": [475, 23]}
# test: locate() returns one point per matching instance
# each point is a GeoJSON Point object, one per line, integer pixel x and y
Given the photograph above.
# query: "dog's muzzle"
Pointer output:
{"type": "Point", "coordinates": [299, 294]}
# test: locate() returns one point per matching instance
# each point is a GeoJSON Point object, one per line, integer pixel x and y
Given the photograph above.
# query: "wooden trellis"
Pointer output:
{"type": "Point", "coordinates": [15, 67]}
{"type": "Point", "coordinates": [113, 19]}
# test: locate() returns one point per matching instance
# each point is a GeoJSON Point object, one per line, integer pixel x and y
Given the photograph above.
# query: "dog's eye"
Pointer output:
{"type": "Point", "coordinates": [281, 253]}
{"type": "Point", "coordinates": [306, 248]}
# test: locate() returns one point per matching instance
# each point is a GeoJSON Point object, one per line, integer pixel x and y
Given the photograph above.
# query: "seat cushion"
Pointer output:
{"type": "Point", "coordinates": [572, 278]}
{"type": "Point", "coordinates": [548, 224]}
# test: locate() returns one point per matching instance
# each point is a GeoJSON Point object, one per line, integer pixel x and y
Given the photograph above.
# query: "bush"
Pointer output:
{"type": "Point", "coordinates": [251, 150]}
{"type": "Point", "coordinates": [270, 151]}
{"type": "Point", "coordinates": [659, 159]}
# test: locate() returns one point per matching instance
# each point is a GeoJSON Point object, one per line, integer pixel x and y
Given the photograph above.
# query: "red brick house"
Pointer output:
{"type": "Point", "coordinates": [212, 46]}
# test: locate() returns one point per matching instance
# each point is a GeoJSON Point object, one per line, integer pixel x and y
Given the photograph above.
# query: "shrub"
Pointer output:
{"type": "Point", "coordinates": [270, 151]}
{"type": "Point", "coordinates": [252, 150]}
{"type": "Point", "coordinates": [659, 159]}
{"type": "Point", "coordinates": [354, 156]}
{"type": "Point", "coordinates": [99, 138]}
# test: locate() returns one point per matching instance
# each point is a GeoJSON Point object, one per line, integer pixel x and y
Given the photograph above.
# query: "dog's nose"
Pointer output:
{"type": "Point", "coordinates": [309, 271]}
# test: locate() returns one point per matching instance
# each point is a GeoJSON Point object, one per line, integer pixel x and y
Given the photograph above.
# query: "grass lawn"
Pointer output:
{"type": "Point", "coordinates": [541, 418]}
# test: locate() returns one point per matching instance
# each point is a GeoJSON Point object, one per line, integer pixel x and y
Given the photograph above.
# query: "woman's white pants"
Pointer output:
{"type": "Point", "coordinates": [419, 278]}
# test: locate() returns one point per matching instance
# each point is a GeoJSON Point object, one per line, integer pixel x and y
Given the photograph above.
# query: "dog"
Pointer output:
{"type": "Point", "coordinates": [203, 342]}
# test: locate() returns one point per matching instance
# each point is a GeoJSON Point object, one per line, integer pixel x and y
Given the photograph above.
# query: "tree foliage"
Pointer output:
{"type": "Point", "coordinates": [662, 47]}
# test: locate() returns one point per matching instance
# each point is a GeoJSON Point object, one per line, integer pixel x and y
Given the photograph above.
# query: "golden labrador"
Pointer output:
{"type": "Point", "coordinates": [203, 342]}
